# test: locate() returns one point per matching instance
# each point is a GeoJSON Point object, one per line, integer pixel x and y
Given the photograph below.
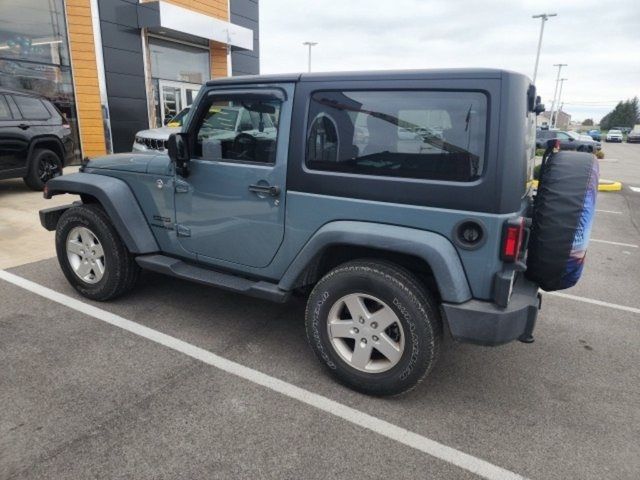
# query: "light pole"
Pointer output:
{"type": "Point", "coordinates": [562, 80]}
{"type": "Point", "coordinates": [555, 92]}
{"type": "Point", "coordinates": [543, 18]}
{"type": "Point", "coordinates": [310, 44]}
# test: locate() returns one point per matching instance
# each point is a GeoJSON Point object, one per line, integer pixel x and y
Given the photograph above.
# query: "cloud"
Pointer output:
{"type": "Point", "coordinates": [600, 43]}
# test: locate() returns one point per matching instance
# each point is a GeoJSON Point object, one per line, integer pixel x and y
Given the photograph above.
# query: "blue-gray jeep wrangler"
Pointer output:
{"type": "Point", "coordinates": [399, 202]}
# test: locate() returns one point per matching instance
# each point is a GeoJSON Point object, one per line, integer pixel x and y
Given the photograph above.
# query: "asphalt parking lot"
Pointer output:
{"type": "Point", "coordinates": [86, 395]}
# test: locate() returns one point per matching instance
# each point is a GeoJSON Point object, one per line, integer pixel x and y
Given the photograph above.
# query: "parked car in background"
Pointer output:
{"type": "Point", "coordinates": [567, 141]}
{"type": "Point", "coordinates": [35, 139]}
{"type": "Point", "coordinates": [595, 135]}
{"type": "Point", "coordinates": [155, 139]}
{"type": "Point", "coordinates": [614, 136]}
{"type": "Point", "coordinates": [622, 129]}
{"type": "Point", "coordinates": [634, 135]}
{"type": "Point", "coordinates": [580, 136]}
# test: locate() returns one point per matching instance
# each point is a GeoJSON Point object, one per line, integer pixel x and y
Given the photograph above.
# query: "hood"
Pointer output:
{"type": "Point", "coordinates": [131, 162]}
{"type": "Point", "coordinates": [161, 133]}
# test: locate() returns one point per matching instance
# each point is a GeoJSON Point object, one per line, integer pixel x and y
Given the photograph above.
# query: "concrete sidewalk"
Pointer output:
{"type": "Point", "coordinates": [22, 238]}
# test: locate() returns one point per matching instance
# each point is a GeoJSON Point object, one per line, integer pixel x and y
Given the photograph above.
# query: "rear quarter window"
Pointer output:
{"type": "Point", "coordinates": [438, 135]}
{"type": "Point", "coordinates": [31, 108]}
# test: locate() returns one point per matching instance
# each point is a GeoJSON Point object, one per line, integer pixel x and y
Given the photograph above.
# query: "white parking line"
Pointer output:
{"type": "Point", "coordinates": [630, 245]}
{"type": "Point", "coordinates": [608, 211]}
{"type": "Point", "coordinates": [426, 445]}
{"type": "Point", "coordinates": [635, 189]}
{"type": "Point", "coordinates": [592, 301]}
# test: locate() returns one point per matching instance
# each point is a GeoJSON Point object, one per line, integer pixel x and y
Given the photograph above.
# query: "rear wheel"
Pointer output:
{"type": "Point", "coordinates": [43, 166]}
{"type": "Point", "coordinates": [374, 327]}
{"type": "Point", "coordinates": [91, 254]}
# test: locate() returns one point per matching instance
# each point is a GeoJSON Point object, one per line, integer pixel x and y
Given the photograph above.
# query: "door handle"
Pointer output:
{"type": "Point", "coordinates": [273, 191]}
{"type": "Point", "coordinates": [23, 126]}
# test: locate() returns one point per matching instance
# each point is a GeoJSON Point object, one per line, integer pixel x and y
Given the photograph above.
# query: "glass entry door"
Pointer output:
{"type": "Point", "coordinates": [174, 96]}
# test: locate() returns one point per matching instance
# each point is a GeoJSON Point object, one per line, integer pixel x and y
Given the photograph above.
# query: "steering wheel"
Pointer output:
{"type": "Point", "coordinates": [244, 146]}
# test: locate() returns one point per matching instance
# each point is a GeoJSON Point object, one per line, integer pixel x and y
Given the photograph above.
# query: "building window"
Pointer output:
{"type": "Point", "coordinates": [177, 72]}
{"type": "Point", "coordinates": [437, 135]}
{"type": "Point", "coordinates": [34, 54]}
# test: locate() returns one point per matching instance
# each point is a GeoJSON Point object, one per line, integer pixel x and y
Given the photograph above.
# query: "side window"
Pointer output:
{"type": "Point", "coordinates": [237, 129]}
{"type": "Point", "coordinates": [31, 108]}
{"type": "Point", "coordinates": [562, 136]}
{"type": "Point", "coordinates": [5, 113]}
{"type": "Point", "coordinates": [413, 134]}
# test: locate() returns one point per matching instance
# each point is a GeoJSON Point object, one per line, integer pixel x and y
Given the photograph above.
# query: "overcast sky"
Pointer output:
{"type": "Point", "coordinates": [600, 40]}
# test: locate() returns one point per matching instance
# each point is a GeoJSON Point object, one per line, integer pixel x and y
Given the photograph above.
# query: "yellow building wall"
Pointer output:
{"type": "Point", "coordinates": [85, 77]}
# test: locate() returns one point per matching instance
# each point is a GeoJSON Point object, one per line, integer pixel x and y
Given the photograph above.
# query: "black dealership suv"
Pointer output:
{"type": "Point", "coordinates": [35, 139]}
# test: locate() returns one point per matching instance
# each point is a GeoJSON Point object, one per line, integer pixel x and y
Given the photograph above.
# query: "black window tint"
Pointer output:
{"type": "Point", "coordinates": [31, 108]}
{"type": "Point", "coordinates": [414, 134]}
{"type": "Point", "coordinates": [5, 113]}
{"type": "Point", "coordinates": [237, 129]}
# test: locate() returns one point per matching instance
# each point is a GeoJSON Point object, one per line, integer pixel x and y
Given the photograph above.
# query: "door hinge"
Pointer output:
{"type": "Point", "coordinates": [181, 186]}
{"type": "Point", "coordinates": [183, 231]}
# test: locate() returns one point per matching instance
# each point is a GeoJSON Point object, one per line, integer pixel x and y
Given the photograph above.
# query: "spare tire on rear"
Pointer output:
{"type": "Point", "coordinates": [563, 215]}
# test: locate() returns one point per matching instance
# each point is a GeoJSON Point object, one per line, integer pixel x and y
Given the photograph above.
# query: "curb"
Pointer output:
{"type": "Point", "coordinates": [603, 185]}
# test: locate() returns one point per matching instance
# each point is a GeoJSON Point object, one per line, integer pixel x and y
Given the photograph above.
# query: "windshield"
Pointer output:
{"type": "Point", "coordinates": [615, 132]}
{"type": "Point", "coordinates": [574, 135]}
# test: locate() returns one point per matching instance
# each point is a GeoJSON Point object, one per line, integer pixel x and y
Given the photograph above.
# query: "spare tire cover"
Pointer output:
{"type": "Point", "coordinates": [562, 218]}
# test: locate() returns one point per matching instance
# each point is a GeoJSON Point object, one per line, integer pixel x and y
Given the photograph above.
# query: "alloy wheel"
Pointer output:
{"type": "Point", "coordinates": [366, 333]}
{"type": "Point", "coordinates": [85, 255]}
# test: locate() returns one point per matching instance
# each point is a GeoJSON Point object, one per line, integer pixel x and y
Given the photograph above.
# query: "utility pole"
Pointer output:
{"type": "Point", "coordinates": [562, 80]}
{"type": "Point", "coordinates": [555, 92]}
{"type": "Point", "coordinates": [543, 19]}
{"type": "Point", "coordinates": [310, 44]}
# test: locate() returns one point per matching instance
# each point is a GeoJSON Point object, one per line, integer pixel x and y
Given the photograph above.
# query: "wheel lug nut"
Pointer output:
{"type": "Point", "coordinates": [374, 338]}
{"type": "Point", "coordinates": [361, 320]}
{"type": "Point", "coordinates": [374, 325]}
{"type": "Point", "coordinates": [364, 340]}
{"type": "Point", "coordinates": [355, 330]}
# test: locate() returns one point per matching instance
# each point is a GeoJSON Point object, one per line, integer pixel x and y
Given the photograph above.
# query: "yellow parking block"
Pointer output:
{"type": "Point", "coordinates": [603, 185]}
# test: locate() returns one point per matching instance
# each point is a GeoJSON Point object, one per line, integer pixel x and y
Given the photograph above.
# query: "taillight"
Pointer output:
{"type": "Point", "coordinates": [512, 236]}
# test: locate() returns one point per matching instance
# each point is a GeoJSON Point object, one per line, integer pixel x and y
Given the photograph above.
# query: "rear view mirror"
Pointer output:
{"type": "Point", "coordinates": [178, 148]}
{"type": "Point", "coordinates": [539, 106]}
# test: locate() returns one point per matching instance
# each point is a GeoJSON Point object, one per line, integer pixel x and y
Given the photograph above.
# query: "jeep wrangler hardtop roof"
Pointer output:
{"type": "Point", "coordinates": [431, 74]}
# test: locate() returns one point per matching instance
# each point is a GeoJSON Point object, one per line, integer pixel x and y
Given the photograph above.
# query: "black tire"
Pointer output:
{"type": "Point", "coordinates": [44, 165]}
{"type": "Point", "coordinates": [120, 268]}
{"type": "Point", "coordinates": [407, 298]}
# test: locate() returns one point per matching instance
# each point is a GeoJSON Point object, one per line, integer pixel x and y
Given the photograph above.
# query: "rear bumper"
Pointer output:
{"type": "Point", "coordinates": [485, 323]}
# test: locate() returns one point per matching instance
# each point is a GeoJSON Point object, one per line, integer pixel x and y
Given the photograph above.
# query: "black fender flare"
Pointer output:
{"type": "Point", "coordinates": [435, 249]}
{"type": "Point", "coordinates": [118, 201]}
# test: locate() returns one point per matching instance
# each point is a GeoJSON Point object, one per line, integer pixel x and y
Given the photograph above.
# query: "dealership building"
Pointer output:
{"type": "Point", "coordinates": [115, 67]}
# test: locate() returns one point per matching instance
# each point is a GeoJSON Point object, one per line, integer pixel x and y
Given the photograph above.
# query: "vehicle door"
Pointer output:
{"type": "Point", "coordinates": [567, 142]}
{"type": "Point", "coordinates": [14, 136]}
{"type": "Point", "coordinates": [230, 207]}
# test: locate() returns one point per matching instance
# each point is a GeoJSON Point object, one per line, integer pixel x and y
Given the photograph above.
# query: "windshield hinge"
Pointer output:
{"type": "Point", "coordinates": [181, 186]}
{"type": "Point", "coordinates": [183, 231]}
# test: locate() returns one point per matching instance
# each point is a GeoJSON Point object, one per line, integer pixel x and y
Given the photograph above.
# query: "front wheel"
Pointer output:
{"type": "Point", "coordinates": [92, 255]}
{"type": "Point", "coordinates": [374, 327]}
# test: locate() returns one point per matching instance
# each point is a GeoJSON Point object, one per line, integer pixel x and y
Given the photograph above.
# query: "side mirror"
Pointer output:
{"type": "Point", "coordinates": [178, 148]}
